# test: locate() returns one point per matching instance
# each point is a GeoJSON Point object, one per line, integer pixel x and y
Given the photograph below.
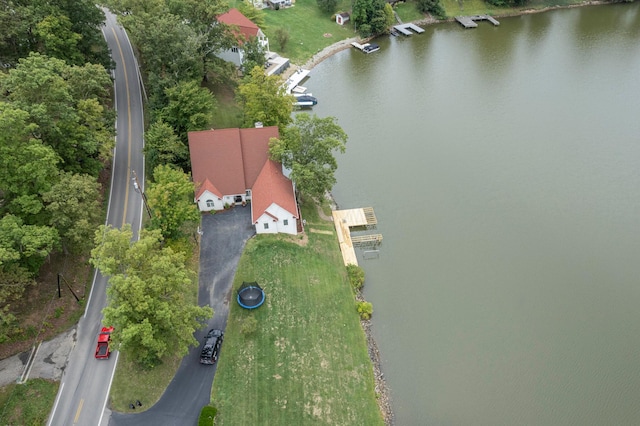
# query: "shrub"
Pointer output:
{"type": "Point", "coordinates": [282, 37]}
{"type": "Point", "coordinates": [365, 309]}
{"type": "Point", "coordinates": [207, 415]}
{"type": "Point", "coordinates": [249, 325]}
{"type": "Point", "coordinates": [356, 276]}
{"type": "Point", "coordinates": [327, 6]}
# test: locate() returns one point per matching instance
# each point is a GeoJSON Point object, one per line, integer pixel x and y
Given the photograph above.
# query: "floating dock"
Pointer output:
{"type": "Point", "coordinates": [345, 219]}
{"type": "Point", "coordinates": [367, 47]}
{"type": "Point", "coordinates": [470, 21]}
{"type": "Point", "coordinates": [404, 29]}
{"type": "Point", "coordinates": [295, 79]}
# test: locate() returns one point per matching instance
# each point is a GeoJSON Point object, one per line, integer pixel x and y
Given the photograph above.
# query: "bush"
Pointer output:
{"type": "Point", "coordinates": [249, 325]}
{"type": "Point", "coordinates": [207, 415]}
{"type": "Point", "coordinates": [356, 276]}
{"type": "Point", "coordinates": [365, 309]}
{"type": "Point", "coordinates": [282, 37]}
{"type": "Point", "coordinates": [327, 6]}
{"type": "Point", "coordinates": [433, 7]}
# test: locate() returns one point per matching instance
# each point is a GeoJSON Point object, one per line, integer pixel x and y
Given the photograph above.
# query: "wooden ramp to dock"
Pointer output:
{"type": "Point", "coordinates": [470, 21]}
{"type": "Point", "coordinates": [345, 219]}
{"type": "Point", "coordinates": [404, 29]}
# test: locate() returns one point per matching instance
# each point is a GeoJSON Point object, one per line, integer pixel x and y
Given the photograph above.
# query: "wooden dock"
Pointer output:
{"type": "Point", "coordinates": [295, 79]}
{"type": "Point", "coordinates": [345, 219]}
{"type": "Point", "coordinates": [470, 21]}
{"type": "Point", "coordinates": [404, 29]}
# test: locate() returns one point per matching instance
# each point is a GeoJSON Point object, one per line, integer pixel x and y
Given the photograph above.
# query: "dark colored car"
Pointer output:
{"type": "Point", "coordinates": [211, 346]}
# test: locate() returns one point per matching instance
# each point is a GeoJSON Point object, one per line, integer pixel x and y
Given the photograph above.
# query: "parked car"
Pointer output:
{"type": "Point", "coordinates": [103, 347]}
{"type": "Point", "coordinates": [211, 346]}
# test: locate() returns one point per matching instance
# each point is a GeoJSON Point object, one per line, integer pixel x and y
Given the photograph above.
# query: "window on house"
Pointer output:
{"type": "Point", "coordinates": [234, 49]}
{"type": "Point", "coordinates": [209, 203]}
{"type": "Point", "coordinates": [266, 226]}
{"type": "Point", "coordinates": [285, 222]}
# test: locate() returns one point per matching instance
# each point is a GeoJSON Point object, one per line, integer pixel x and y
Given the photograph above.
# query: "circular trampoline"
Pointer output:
{"type": "Point", "coordinates": [250, 295]}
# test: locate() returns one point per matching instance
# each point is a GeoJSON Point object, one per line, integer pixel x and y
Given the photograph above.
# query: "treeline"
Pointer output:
{"type": "Point", "coordinates": [56, 135]}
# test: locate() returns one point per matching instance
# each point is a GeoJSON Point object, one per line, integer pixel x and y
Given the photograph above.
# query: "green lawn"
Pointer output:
{"type": "Point", "coordinates": [307, 361]}
{"type": "Point", "coordinates": [28, 404]}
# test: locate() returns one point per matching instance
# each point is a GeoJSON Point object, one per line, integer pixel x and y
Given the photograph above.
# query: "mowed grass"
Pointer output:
{"type": "Point", "coordinates": [28, 404]}
{"type": "Point", "coordinates": [307, 362]}
{"type": "Point", "coordinates": [474, 7]}
{"type": "Point", "coordinates": [310, 29]}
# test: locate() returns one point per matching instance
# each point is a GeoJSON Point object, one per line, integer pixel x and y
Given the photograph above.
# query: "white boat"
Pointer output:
{"type": "Point", "coordinates": [305, 100]}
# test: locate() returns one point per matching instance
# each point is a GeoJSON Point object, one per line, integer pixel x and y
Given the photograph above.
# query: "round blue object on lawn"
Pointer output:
{"type": "Point", "coordinates": [250, 295]}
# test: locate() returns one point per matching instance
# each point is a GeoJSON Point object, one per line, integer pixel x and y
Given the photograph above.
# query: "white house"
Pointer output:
{"type": "Point", "coordinates": [231, 167]}
{"type": "Point", "coordinates": [244, 31]}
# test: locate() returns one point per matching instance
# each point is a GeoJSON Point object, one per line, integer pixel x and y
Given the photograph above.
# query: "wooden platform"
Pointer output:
{"type": "Point", "coordinates": [345, 219]}
{"type": "Point", "coordinates": [470, 21]}
{"type": "Point", "coordinates": [404, 29]}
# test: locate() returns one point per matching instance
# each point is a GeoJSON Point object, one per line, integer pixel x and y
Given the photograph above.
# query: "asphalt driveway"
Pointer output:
{"type": "Point", "coordinates": [222, 242]}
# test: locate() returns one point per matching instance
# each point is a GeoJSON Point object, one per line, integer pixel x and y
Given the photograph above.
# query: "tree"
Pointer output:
{"type": "Point", "coordinates": [327, 6]}
{"type": "Point", "coordinates": [28, 168]}
{"type": "Point", "coordinates": [170, 199]}
{"type": "Point", "coordinates": [252, 13]}
{"type": "Point", "coordinates": [253, 55]}
{"type": "Point", "coordinates": [282, 37]}
{"type": "Point", "coordinates": [190, 107]}
{"type": "Point", "coordinates": [162, 146]}
{"type": "Point", "coordinates": [306, 148]}
{"type": "Point", "coordinates": [263, 99]}
{"type": "Point", "coordinates": [74, 210]}
{"type": "Point", "coordinates": [25, 246]}
{"type": "Point", "coordinates": [58, 40]}
{"type": "Point", "coordinates": [369, 17]}
{"type": "Point", "coordinates": [148, 300]}
{"type": "Point", "coordinates": [79, 129]}
{"type": "Point", "coordinates": [433, 7]}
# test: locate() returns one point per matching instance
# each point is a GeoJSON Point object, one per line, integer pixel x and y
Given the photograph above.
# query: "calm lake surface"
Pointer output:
{"type": "Point", "coordinates": [503, 164]}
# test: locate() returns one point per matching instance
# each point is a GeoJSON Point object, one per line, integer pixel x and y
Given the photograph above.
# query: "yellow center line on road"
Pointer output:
{"type": "Point", "coordinates": [126, 83]}
{"type": "Point", "coordinates": [75, 420]}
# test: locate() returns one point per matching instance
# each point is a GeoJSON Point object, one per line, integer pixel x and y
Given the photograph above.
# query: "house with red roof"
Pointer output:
{"type": "Point", "coordinates": [244, 30]}
{"type": "Point", "coordinates": [232, 167]}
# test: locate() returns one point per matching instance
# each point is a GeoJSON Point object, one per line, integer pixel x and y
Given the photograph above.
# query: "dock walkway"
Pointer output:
{"type": "Point", "coordinates": [345, 219]}
{"type": "Point", "coordinates": [470, 21]}
{"type": "Point", "coordinates": [404, 29]}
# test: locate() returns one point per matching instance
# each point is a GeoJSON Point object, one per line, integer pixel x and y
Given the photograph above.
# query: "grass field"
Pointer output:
{"type": "Point", "coordinates": [306, 362]}
{"type": "Point", "coordinates": [28, 404]}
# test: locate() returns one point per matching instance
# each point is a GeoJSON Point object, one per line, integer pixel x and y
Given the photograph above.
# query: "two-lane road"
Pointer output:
{"type": "Point", "coordinates": [85, 385]}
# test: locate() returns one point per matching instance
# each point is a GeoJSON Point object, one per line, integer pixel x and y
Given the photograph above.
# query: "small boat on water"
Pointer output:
{"type": "Point", "coordinates": [305, 100]}
{"type": "Point", "coordinates": [367, 47]}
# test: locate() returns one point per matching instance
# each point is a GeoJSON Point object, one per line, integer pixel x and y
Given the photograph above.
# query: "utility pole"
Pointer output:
{"type": "Point", "coordinates": [137, 187]}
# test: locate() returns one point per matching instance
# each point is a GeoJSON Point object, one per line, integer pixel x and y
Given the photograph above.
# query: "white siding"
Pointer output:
{"type": "Point", "coordinates": [218, 204]}
{"type": "Point", "coordinates": [276, 226]}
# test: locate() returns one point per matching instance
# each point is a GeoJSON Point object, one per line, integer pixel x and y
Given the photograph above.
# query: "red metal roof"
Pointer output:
{"type": "Point", "coordinates": [230, 161]}
{"type": "Point", "coordinates": [245, 27]}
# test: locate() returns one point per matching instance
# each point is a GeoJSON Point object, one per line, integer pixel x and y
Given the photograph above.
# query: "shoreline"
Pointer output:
{"type": "Point", "coordinates": [341, 45]}
{"type": "Point", "coordinates": [383, 392]}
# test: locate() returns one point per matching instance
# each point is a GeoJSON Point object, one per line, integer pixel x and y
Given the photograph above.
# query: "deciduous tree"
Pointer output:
{"type": "Point", "coordinates": [264, 99]}
{"type": "Point", "coordinates": [162, 146]}
{"type": "Point", "coordinates": [170, 198]}
{"type": "Point", "coordinates": [149, 298]}
{"type": "Point", "coordinates": [307, 148]}
{"type": "Point", "coordinates": [190, 107]}
{"type": "Point", "coordinates": [74, 210]}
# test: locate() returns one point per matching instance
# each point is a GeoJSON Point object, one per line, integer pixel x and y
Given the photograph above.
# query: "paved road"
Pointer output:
{"type": "Point", "coordinates": [85, 384]}
{"type": "Point", "coordinates": [225, 235]}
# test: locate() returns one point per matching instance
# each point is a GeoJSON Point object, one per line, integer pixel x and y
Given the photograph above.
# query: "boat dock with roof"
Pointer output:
{"type": "Point", "coordinates": [470, 21]}
{"type": "Point", "coordinates": [346, 219]}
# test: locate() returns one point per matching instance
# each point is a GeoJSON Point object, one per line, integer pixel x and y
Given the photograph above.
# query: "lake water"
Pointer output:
{"type": "Point", "coordinates": [503, 164]}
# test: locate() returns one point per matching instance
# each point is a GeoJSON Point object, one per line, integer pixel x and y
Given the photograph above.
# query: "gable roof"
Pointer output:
{"type": "Point", "coordinates": [245, 28]}
{"type": "Point", "coordinates": [272, 187]}
{"type": "Point", "coordinates": [230, 161]}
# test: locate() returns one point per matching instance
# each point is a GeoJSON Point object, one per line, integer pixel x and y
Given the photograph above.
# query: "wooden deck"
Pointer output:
{"type": "Point", "coordinates": [470, 21]}
{"type": "Point", "coordinates": [345, 219]}
{"type": "Point", "coordinates": [404, 29]}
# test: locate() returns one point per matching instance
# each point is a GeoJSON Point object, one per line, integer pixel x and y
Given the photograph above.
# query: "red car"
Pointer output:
{"type": "Point", "coordinates": [103, 348]}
